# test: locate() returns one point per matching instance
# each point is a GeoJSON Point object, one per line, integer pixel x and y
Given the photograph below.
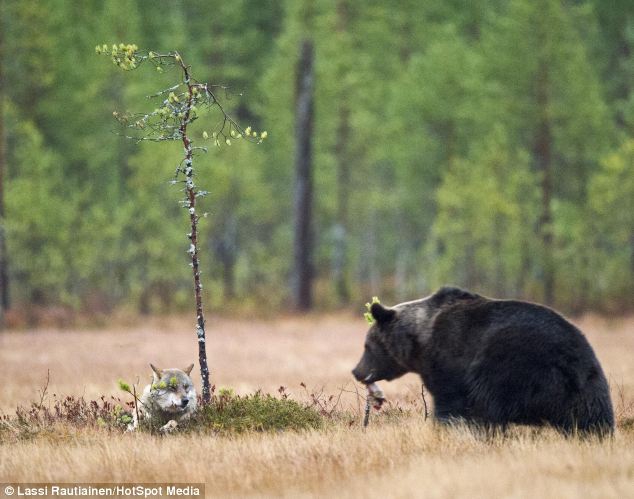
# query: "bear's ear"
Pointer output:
{"type": "Point", "coordinates": [382, 314]}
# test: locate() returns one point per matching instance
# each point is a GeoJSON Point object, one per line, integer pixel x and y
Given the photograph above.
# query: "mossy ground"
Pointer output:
{"type": "Point", "coordinates": [257, 412]}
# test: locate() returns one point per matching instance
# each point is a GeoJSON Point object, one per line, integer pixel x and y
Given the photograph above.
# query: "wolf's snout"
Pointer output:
{"type": "Point", "coordinates": [184, 402]}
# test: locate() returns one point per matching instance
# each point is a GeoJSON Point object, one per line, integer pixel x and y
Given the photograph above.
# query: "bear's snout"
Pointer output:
{"type": "Point", "coordinates": [361, 375]}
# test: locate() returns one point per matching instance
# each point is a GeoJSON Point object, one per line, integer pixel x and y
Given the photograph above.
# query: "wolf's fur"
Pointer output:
{"type": "Point", "coordinates": [168, 400]}
{"type": "Point", "coordinates": [492, 362]}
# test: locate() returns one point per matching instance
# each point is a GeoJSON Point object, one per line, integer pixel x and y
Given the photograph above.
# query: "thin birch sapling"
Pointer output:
{"type": "Point", "coordinates": [178, 106]}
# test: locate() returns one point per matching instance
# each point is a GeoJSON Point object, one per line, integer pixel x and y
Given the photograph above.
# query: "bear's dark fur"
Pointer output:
{"type": "Point", "coordinates": [491, 362]}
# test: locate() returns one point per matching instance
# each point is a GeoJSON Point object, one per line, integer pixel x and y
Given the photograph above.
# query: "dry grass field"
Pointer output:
{"type": "Point", "coordinates": [395, 457]}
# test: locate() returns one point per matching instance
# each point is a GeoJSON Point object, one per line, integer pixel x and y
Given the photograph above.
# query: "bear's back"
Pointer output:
{"type": "Point", "coordinates": [473, 324]}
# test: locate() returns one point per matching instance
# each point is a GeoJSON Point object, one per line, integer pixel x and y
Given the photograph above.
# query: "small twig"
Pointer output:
{"type": "Point", "coordinates": [368, 406]}
{"type": "Point", "coordinates": [132, 391]}
{"type": "Point", "coordinates": [422, 392]}
{"type": "Point", "coordinates": [45, 388]}
{"type": "Point", "coordinates": [336, 404]}
{"type": "Point", "coordinates": [136, 407]}
{"type": "Point", "coordinates": [358, 397]}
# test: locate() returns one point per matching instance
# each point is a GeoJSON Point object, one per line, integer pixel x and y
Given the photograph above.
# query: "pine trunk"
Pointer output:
{"type": "Point", "coordinates": [543, 158]}
{"type": "Point", "coordinates": [303, 246]}
{"type": "Point", "coordinates": [4, 259]}
{"type": "Point", "coordinates": [191, 195]}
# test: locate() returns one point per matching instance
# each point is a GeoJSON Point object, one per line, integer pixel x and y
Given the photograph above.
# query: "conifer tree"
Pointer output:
{"type": "Point", "coordinates": [178, 106]}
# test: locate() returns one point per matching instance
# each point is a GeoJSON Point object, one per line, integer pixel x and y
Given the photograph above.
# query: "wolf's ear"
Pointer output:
{"type": "Point", "coordinates": [157, 372]}
{"type": "Point", "coordinates": [382, 314]}
{"type": "Point", "coordinates": [188, 370]}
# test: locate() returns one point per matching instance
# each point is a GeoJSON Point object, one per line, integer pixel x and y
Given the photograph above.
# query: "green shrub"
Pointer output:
{"type": "Point", "coordinates": [230, 413]}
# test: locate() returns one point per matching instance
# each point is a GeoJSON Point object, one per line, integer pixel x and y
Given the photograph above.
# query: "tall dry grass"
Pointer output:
{"type": "Point", "coordinates": [408, 459]}
{"type": "Point", "coordinates": [401, 457]}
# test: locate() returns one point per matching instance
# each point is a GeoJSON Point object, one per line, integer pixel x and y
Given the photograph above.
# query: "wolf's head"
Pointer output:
{"type": "Point", "coordinates": [172, 390]}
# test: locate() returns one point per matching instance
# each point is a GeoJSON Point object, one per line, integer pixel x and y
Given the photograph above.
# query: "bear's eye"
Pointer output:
{"type": "Point", "coordinates": [377, 348]}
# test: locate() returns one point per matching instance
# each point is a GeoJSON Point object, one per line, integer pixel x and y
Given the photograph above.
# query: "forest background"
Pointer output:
{"type": "Point", "coordinates": [487, 144]}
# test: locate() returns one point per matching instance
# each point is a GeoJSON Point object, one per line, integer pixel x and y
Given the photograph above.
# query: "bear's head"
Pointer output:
{"type": "Point", "coordinates": [378, 361]}
{"type": "Point", "coordinates": [394, 343]}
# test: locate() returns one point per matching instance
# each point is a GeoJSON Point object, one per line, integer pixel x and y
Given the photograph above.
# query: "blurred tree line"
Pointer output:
{"type": "Point", "coordinates": [483, 143]}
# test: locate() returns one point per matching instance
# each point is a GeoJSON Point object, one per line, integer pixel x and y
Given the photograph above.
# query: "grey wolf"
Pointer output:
{"type": "Point", "coordinates": [491, 362]}
{"type": "Point", "coordinates": [169, 399]}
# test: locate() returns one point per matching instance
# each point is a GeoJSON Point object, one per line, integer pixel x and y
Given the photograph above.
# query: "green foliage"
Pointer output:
{"type": "Point", "coordinates": [124, 386]}
{"type": "Point", "coordinates": [40, 209]}
{"type": "Point", "coordinates": [611, 225]}
{"type": "Point", "coordinates": [426, 168]}
{"type": "Point", "coordinates": [368, 314]}
{"type": "Point", "coordinates": [161, 385]}
{"type": "Point", "coordinates": [487, 208]}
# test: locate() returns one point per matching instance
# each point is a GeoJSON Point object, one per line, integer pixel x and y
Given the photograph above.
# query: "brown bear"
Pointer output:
{"type": "Point", "coordinates": [491, 362]}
